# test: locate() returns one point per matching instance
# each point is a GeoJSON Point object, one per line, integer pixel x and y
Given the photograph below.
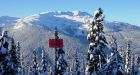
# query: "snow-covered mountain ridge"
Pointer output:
{"type": "Point", "coordinates": [70, 22]}
{"type": "Point", "coordinates": [34, 31]}
{"type": "Point", "coordinates": [59, 18]}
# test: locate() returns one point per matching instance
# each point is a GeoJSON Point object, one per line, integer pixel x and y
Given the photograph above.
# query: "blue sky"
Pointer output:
{"type": "Point", "coordinates": [118, 10]}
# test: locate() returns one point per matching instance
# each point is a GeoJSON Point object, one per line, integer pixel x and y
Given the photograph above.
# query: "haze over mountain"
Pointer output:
{"type": "Point", "coordinates": [34, 31]}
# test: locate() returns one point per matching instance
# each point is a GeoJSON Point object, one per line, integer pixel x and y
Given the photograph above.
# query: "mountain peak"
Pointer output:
{"type": "Point", "coordinates": [73, 13]}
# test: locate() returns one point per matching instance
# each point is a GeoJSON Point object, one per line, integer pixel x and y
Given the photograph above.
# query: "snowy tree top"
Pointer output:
{"type": "Point", "coordinates": [5, 33]}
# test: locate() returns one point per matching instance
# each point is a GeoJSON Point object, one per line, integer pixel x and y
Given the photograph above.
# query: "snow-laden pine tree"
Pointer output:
{"type": "Point", "coordinates": [84, 67]}
{"type": "Point", "coordinates": [97, 47]}
{"type": "Point", "coordinates": [34, 68]}
{"type": "Point", "coordinates": [19, 60]}
{"type": "Point", "coordinates": [5, 60]}
{"type": "Point", "coordinates": [61, 66]}
{"type": "Point", "coordinates": [138, 62]}
{"type": "Point", "coordinates": [69, 70]}
{"type": "Point", "coordinates": [13, 53]}
{"type": "Point", "coordinates": [134, 65]}
{"type": "Point", "coordinates": [60, 62]}
{"type": "Point", "coordinates": [116, 65]}
{"type": "Point", "coordinates": [43, 67]}
{"type": "Point", "coordinates": [128, 60]}
{"type": "Point", "coordinates": [22, 70]}
{"type": "Point", "coordinates": [76, 65]}
{"type": "Point", "coordinates": [50, 71]}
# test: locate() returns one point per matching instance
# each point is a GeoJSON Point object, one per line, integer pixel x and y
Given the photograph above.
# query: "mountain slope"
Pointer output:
{"type": "Point", "coordinates": [35, 31]}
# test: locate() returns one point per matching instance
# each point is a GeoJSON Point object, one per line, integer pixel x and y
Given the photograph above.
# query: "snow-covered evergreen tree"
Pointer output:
{"type": "Point", "coordinates": [134, 65]}
{"type": "Point", "coordinates": [138, 62]}
{"type": "Point", "coordinates": [84, 67]}
{"type": "Point", "coordinates": [50, 71]}
{"type": "Point", "coordinates": [69, 70]}
{"type": "Point", "coordinates": [13, 53]}
{"type": "Point", "coordinates": [5, 60]}
{"type": "Point", "coordinates": [76, 65]}
{"type": "Point", "coordinates": [116, 64]}
{"type": "Point", "coordinates": [22, 65]}
{"type": "Point", "coordinates": [34, 69]}
{"type": "Point", "coordinates": [61, 63]}
{"type": "Point", "coordinates": [96, 52]}
{"type": "Point", "coordinates": [43, 68]}
{"type": "Point", "coordinates": [128, 60]}
{"type": "Point", "coordinates": [19, 60]}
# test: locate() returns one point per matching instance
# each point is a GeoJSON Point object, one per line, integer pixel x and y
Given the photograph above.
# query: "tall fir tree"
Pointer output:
{"type": "Point", "coordinates": [22, 65]}
{"type": "Point", "coordinates": [76, 65]}
{"type": "Point", "coordinates": [61, 66]}
{"type": "Point", "coordinates": [128, 60]}
{"type": "Point", "coordinates": [134, 65]}
{"type": "Point", "coordinates": [60, 62]}
{"type": "Point", "coordinates": [19, 59]}
{"type": "Point", "coordinates": [34, 69]}
{"type": "Point", "coordinates": [5, 60]}
{"type": "Point", "coordinates": [84, 67]}
{"type": "Point", "coordinates": [138, 62]}
{"type": "Point", "coordinates": [13, 53]}
{"type": "Point", "coordinates": [69, 69]}
{"type": "Point", "coordinates": [96, 52]}
{"type": "Point", "coordinates": [116, 65]}
{"type": "Point", "coordinates": [50, 71]}
{"type": "Point", "coordinates": [43, 68]}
